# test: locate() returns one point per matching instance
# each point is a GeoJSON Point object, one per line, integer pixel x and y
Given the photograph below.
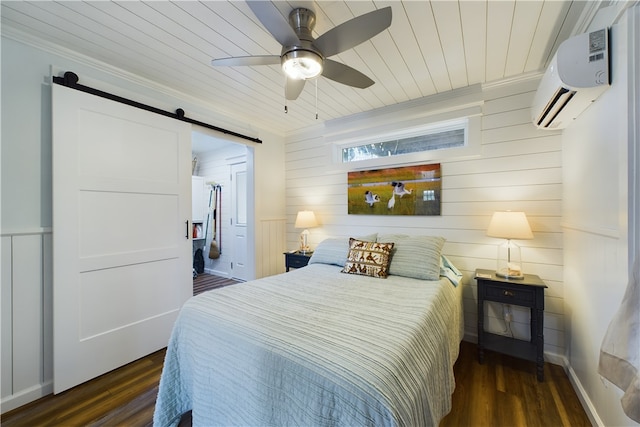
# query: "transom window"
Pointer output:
{"type": "Point", "coordinates": [438, 137]}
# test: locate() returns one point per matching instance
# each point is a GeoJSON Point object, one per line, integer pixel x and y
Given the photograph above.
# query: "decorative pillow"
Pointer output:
{"type": "Point", "coordinates": [415, 256]}
{"type": "Point", "coordinates": [368, 258]}
{"type": "Point", "coordinates": [334, 251]}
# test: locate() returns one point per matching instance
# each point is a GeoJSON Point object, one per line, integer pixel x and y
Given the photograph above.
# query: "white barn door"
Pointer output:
{"type": "Point", "coordinates": [121, 240]}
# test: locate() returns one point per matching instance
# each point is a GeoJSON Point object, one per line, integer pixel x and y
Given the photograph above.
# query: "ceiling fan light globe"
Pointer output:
{"type": "Point", "coordinates": [302, 64]}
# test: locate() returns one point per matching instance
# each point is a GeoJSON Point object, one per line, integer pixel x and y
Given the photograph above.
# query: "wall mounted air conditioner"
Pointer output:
{"type": "Point", "coordinates": [576, 76]}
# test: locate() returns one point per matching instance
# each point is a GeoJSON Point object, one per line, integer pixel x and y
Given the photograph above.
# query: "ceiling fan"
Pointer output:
{"type": "Point", "coordinates": [303, 57]}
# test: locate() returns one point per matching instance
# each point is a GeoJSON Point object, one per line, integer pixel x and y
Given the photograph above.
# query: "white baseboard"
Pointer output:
{"type": "Point", "coordinates": [26, 396]}
{"type": "Point", "coordinates": [582, 395]}
{"type": "Point", "coordinates": [555, 358]}
{"type": "Point", "coordinates": [217, 272]}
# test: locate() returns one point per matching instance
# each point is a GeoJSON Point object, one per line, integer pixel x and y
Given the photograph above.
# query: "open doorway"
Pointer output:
{"type": "Point", "coordinates": [226, 202]}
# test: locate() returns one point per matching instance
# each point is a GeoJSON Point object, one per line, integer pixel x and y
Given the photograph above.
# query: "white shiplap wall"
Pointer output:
{"type": "Point", "coordinates": [518, 168]}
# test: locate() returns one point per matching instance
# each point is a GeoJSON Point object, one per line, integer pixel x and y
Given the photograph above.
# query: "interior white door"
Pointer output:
{"type": "Point", "coordinates": [239, 220]}
{"type": "Point", "coordinates": [121, 241]}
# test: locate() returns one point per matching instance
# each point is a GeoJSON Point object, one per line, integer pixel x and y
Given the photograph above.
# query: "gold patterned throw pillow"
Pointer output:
{"type": "Point", "coordinates": [368, 258]}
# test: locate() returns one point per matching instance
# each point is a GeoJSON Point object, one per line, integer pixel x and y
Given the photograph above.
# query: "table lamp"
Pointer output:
{"type": "Point", "coordinates": [509, 225]}
{"type": "Point", "coordinates": [306, 220]}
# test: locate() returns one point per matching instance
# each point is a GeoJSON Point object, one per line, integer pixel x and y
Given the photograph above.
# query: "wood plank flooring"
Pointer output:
{"type": "Point", "coordinates": [206, 282]}
{"type": "Point", "coordinates": [124, 397]}
{"type": "Point", "coordinates": [501, 392]}
{"type": "Point", "coordinates": [504, 391]}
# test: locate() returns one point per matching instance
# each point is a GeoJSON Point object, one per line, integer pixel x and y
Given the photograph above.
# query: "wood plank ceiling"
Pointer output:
{"type": "Point", "coordinates": [431, 47]}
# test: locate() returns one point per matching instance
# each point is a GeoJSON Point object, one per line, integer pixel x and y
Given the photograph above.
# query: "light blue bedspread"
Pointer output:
{"type": "Point", "coordinates": [314, 347]}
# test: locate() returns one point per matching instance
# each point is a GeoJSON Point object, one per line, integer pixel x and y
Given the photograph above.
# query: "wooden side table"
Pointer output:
{"type": "Point", "coordinates": [527, 292]}
{"type": "Point", "coordinates": [296, 259]}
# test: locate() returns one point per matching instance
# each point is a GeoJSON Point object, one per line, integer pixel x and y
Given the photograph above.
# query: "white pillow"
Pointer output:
{"type": "Point", "coordinates": [334, 251]}
{"type": "Point", "coordinates": [415, 256]}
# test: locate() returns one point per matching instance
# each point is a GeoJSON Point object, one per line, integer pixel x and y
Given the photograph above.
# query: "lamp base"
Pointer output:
{"type": "Point", "coordinates": [509, 264]}
{"type": "Point", "coordinates": [510, 275]}
{"type": "Point", "coordinates": [304, 245]}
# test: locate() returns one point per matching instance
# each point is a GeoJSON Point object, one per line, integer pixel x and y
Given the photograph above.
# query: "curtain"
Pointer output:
{"type": "Point", "coordinates": [620, 350]}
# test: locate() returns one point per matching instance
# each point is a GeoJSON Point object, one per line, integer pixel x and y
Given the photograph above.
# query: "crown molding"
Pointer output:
{"type": "Point", "coordinates": [521, 78]}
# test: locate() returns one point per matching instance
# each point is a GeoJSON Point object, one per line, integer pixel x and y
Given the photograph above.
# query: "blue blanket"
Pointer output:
{"type": "Point", "coordinates": [314, 347]}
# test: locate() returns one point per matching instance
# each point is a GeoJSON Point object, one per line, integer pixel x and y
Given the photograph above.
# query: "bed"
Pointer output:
{"type": "Point", "coordinates": [317, 346]}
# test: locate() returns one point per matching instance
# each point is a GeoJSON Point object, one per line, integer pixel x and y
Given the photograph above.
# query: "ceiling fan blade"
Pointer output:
{"type": "Point", "coordinates": [353, 32]}
{"type": "Point", "coordinates": [293, 88]}
{"type": "Point", "coordinates": [247, 60]}
{"type": "Point", "coordinates": [346, 75]}
{"type": "Point", "coordinates": [274, 22]}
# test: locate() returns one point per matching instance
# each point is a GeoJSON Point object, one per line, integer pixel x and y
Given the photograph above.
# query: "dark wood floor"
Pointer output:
{"type": "Point", "coordinates": [206, 282]}
{"type": "Point", "coordinates": [501, 392]}
{"type": "Point", "coordinates": [504, 391]}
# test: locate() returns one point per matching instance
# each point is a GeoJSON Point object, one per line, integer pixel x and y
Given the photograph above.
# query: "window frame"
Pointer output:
{"type": "Point", "coordinates": [472, 145]}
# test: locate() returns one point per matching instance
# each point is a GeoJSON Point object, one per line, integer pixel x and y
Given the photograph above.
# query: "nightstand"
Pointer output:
{"type": "Point", "coordinates": [527, 292]}
{"type": "Point", "coordinates": [296, 259]}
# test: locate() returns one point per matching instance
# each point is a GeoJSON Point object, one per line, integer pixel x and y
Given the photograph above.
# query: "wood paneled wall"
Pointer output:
{"type": "Point", "coordinates": [519, 168]}
{"type": "Point", "coordinates": [27, 365]}
{"type": "Point", "coordinates": [272, 238]}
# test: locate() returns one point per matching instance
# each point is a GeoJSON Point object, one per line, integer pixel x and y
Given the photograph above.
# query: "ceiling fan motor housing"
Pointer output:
{"type": "Point", "coordinates": [304, 57]}
{"type": "Point", "coordinates": [303, 21]}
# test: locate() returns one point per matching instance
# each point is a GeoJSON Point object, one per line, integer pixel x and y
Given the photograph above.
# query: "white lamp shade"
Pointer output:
{"type": "Point", "coordinates": [509, 225]}
{"type": "Point", "coordinates": [306, 219]}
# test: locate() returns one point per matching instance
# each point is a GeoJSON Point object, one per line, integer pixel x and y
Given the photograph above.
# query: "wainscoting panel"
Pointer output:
{"type": "Point", "coordinates": [27, 310]}
{"type": "Point", "coordinates": [6, 313]}
{"type": "Point", "coordinates": [273, 245]}
{"type": "Point", "coordinates": [27, 329]}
